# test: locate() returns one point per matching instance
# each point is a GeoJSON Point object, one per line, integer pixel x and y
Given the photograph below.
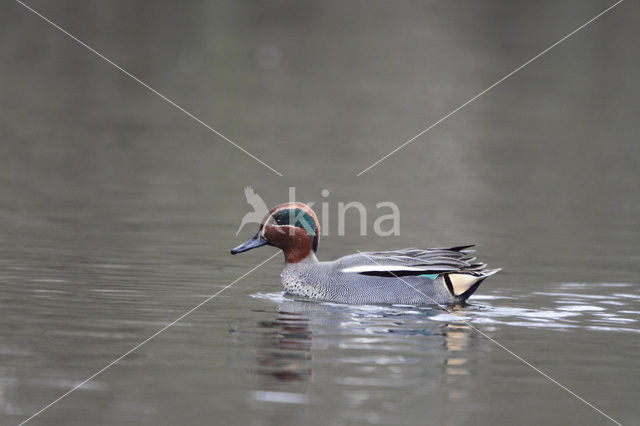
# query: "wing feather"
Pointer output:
{"type": "Point", "coordinates": [414, 261]}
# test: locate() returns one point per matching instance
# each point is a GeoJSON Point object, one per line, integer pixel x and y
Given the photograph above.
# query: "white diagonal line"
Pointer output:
{"type": "Point", "coordinates": [468, 324]}
{"type": "Point", "coordinates": [127, 73]}
{"type": "Point", "coordinates": [492, 86]}
{"type": "Point", "coordinates": [91, 377]}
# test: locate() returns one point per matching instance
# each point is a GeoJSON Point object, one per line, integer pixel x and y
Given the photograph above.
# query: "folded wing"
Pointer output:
{"type": "Point", "coordinates": [456, 265]}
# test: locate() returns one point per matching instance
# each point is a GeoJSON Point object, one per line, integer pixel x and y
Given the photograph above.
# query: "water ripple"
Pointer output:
{"type": "Point", "coordinates": [569, 306]}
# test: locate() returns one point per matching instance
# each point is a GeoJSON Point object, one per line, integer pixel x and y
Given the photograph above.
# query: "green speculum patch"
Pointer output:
{"type": "Point", "coordinates": [430, 276]}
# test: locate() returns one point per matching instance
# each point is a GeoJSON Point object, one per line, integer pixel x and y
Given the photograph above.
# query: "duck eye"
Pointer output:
{"type": "Point", "coordinates": [281, 218]}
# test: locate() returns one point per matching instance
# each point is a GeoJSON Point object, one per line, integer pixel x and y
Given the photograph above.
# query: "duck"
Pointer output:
{"type": "Point", "coordinates": [410, 276]}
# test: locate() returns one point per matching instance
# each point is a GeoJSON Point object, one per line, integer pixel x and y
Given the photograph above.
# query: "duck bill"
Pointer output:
{"type": "Point", "coordinates": [256, 241]}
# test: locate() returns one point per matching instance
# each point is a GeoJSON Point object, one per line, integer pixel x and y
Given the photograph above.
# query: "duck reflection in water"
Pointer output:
{"type": "Point", "coordinates": [284, 348]}
{"type": "Point", "coordinates": [456, 344]}
{"type": "Point", "coordinates": [363, 338]}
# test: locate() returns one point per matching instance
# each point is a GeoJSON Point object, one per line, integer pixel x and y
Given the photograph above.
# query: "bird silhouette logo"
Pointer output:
{"type": "Point", "coordinates": [260, 209]}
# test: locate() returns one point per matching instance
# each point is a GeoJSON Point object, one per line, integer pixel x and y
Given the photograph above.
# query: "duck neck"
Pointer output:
{"type": "Point", "coordinates": [295, 256]}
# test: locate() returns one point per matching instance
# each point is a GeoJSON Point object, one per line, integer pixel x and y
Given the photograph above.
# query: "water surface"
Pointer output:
{"type": "Point", "coordinates": [117, 212]}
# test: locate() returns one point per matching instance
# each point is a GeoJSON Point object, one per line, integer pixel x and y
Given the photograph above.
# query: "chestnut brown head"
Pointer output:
{"type": "Point", "coordinates": [292, 227]}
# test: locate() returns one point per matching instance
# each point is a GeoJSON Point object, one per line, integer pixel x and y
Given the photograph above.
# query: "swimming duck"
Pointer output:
{"type": "Point", "coordinates": [409, 276]}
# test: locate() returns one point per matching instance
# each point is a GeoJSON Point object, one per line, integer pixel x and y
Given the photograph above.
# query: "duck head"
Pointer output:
{"type": "Point", "coordinates": [292, 227]}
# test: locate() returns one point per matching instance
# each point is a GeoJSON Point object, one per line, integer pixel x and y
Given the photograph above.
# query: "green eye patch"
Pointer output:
{"type": "Point", "coordinates": [301, 219]}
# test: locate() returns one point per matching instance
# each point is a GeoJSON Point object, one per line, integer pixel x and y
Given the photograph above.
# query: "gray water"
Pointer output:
{"type": "Point", "coordinates": [117, 211]}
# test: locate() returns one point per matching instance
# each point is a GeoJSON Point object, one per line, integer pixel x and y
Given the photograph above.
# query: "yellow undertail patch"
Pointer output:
{"type": "Point", "coordinates": [460, 283]}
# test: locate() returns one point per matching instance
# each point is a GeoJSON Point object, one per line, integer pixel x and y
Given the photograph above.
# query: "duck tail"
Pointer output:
{"type": "Point", "coordinates": [461, 285]}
